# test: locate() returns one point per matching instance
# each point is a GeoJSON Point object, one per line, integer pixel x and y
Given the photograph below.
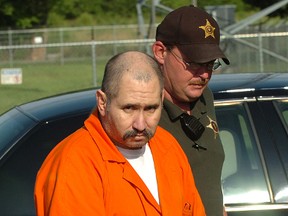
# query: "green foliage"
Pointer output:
{"type": "Point", "coordinates": [27, 22]}
{"type": "Point", "coordinates": [71, 9]}
{"type": "Point", "coordinates": [32, 13]}
{"type": "Point", "coordinates": [119, 7]}
{"type": "Point", "coordinates": [6, 14]}
{"type": "Point", "coordinates": [85, 19]}
{"type": "Point", "coordinates": [51, 13]}
{"type": "Point", "coordinates": [175, 4]}
{"type": "Point", "coordinates": [55, 20]}
{"type": "Point", "coordinates": [7, 9]}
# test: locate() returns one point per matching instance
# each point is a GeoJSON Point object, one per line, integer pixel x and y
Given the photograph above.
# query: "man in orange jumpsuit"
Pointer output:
{"type": "Point", "coordinates": [120, 162]}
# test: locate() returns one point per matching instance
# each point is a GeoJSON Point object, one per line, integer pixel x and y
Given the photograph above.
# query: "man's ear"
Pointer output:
{"type": "Point", "coordinates": [159, 51]}
{"type": "Point", "coordinates": [101, 102]}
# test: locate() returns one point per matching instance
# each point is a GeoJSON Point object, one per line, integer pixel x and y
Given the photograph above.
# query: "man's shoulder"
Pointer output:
{"type": "Point", "coordinates": [72, 145]}
{"type": "Point", "coordinates": [166, 143]}
{"type": "Point", "coordinates": [162, 133]}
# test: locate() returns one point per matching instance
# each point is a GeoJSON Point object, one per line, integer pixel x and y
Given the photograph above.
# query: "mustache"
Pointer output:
{"type": "Point", "coordinates": [134, 133]}
{"type": "Point", "coordinates": [199, 82]}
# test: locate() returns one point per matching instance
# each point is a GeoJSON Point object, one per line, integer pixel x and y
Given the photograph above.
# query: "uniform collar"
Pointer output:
{"type": "Point", "coordinates": [198, 107]}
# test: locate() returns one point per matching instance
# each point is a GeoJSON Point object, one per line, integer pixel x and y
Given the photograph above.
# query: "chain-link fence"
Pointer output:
{"type": "Point", "coordinates": [59, 60]}
{"type": "Point", "coordinates": [249, 52]}
{"type": "Point", "coordinates": [87, 47]}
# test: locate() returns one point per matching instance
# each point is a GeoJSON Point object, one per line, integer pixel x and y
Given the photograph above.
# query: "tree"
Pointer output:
{"type": "Point", "coordinates": [37, 13]}
{"type": "Point", "coordinates": [32, 13]}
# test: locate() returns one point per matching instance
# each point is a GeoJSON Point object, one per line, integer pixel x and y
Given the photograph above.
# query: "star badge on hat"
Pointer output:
{"type": "Point", "coordinates": [208, 29]}
{"type": "Point", "coordinates": [213, 125]}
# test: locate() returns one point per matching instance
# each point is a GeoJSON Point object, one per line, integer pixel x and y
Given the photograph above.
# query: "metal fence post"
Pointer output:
{"type": "Point", "coordinates": [10, 41]}
{"type": "Point", "coordinates": [61, 48]}
{"type": "Point", "coordinates": [261, 62]}
{"type": "Point", "coordinates": [94, 71]}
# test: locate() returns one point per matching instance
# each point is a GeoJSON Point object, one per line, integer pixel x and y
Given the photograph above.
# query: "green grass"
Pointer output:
{"type": "Point", "coordinates": [43, 80]}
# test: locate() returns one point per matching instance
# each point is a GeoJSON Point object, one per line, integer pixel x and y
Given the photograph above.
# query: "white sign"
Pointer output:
{"type": "Point", "coordinates": [11, 76]}
{"type": "Point", "coordinates": [38, 40]}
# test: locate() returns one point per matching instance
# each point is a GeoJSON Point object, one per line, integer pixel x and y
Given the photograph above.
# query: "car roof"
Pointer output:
{"type": "Point", "coordinates": [222, 85]}
{"type": "Point", "coordinates": [249, 84]}
{"type": "Point", "coordinates": [60, 106]}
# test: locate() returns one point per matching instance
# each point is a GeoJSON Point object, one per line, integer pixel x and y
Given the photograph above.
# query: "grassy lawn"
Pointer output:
{"type": "Point", "coordinates": [42, 80]}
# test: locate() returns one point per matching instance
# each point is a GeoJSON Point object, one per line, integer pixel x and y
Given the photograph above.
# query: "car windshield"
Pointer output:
{"type": "Point", "coordinates": [13, 125]}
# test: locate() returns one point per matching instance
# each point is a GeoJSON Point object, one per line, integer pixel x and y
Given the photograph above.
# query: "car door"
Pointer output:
{"type": "Point", "coordinates": [254, 136]}
{"type": "Point", "coordinates": [20, 164]}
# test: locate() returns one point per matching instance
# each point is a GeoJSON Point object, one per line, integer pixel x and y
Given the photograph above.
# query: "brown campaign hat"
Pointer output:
{"type": "Point", "coordinates": [194, 32]}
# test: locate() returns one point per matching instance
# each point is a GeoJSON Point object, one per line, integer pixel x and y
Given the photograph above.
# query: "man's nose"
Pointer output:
{"type": "Point", "coordinates": [139, 122]}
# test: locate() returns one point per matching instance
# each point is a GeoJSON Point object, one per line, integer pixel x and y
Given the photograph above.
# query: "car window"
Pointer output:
{"type": "Point", "coordinates": [283, 107]}
{"type": "Point", "coordinates": [13, 125]}
{"type": "Point", "coordinates": [18, 172]}
{"type": "Point", "coordinates": [243, 177]}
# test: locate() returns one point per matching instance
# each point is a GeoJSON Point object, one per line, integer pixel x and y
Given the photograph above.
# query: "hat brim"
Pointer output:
{"type": "Point", "coordinates": [202, 53]}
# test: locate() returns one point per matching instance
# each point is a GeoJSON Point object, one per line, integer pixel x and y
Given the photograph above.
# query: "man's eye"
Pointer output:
{"type": "Point", "coordinates": [128, 108]}
{"type": "Point", "coordinates": [151, 109]}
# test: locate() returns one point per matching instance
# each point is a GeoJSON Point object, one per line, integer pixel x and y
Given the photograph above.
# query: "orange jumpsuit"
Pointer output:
{"type": "Point", "coordinates": [85, 174]}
